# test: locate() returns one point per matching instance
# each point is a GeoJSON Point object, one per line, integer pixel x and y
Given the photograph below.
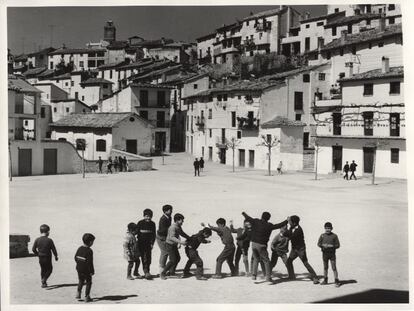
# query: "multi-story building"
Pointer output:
{"type": "Point", "coordinates": [366, 124]}
{"type": "Point", "coordinates": [78, 59]}
{"type": "Point", "coordinates": [39, 58]}
{"type": "Point", "coordinates": [217, 115]}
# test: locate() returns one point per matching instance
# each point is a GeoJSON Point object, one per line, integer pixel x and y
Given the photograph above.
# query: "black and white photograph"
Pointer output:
{"type": "Point", "coordinates": [205, 154]}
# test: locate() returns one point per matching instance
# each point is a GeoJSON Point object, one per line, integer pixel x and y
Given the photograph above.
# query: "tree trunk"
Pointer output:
{"type": "Point", "coordinates": [373, 166]}
{"type": "Point", "coordinates": [83, 163]}
{"type": "Point", "coordinates": [10, 165]}
{"type": "Point", "coordinates": [270, 157]}
{"type": "Point", "coordinates": [233, 158]}
{"type": "Point", "coordinates": [316, 163]}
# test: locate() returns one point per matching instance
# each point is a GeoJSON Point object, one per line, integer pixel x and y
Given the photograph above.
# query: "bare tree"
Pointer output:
{"type": "Point", "coordinates": [377, 144]}
{"type": "Point", "coordinates": [81, 145]}
{"type": "Point", "coordinates": [232, 144]}
{"type": "Point", "coordinates": [317, 149]}
{"type": "Point", "coordinates": [269, 143]}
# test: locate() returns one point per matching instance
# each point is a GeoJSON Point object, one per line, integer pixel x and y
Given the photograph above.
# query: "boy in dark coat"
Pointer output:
{"type": "Point", "coordinates": [228, 252]}
{"type": "Point", "coordinates": [146, 239]}
{"type": "Point", "coordinates": [243, 238]}
{"type": "Point", "coordinates": [201, 164]}
{"type": "Point", "coordinates": [352, 168]}
{"type": "Point", "coordinates": [162, 232]}
{"type": "Point", "coordinates": [43, 247]}
{"type": "Point", "coordinates": [329, 243]}
{"type": "Point", "coordinates": [193, 257]}
{"type": "Point", "coordinates": [84, 266]}
{"type": "Point", "coordinates": [261, 230]}
{"type": "Point", "coordinates": [297, 240]}
{"type": "Point", "coordinates": [280, 247]}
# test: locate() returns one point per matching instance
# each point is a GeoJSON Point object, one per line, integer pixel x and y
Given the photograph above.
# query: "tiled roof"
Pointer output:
{"type": "Point", "coordinates": [19, 67]}
{"type": "Point", "coordinates": [281, 122]}
{"type": "Point", "coordinates": [264, 14]}
{"type": "Point", "coordinates": [92, 120]}
{"type": "Point", "coordinates": [318, 18]}
{"type": "Point", "coordinates": [284, 74]}
{"type": "Point", "coordinates": [111, 65]}
{"type": "Point", "coordinates": [20, 58]}
{"type": "Point", "coordinates": [239, 86]}
{"type": "Point", "coordinates": [43, 51]}
{"type": "Point", "coordinates": [150, 67]}
{"type": "Point", "coordinates": [157, 72]}
{"type": "Point", "coordinates": [34, 71]}
{"type": "Point", "coordinates": [117, 45]}
{"type": "Point", "coordinates": [46, 73]}
{"type": "Point", "coordinates": [19, 85]}
{"type": "Point", "coordinates": [64, 76]}
{"type": "Point", "coordinates": [138, 64]}
{"type": "Point", "coordinates": [394, 72]}
{"type": "Point", "coordinates": [75, 51]}
{"type": "Point", "coordinates": [96, 81]}
{"type": "Point", "coordinates": [353, 19]}
{"type": "Point", "coordinates": [365, 36]}
{"type": "Point", "coordinates": [151, 86]}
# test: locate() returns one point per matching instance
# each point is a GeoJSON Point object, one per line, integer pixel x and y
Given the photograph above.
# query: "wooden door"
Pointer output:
{"type": "Point", "coordinates": [25, 162]}
{"type": "Point", "coordinates": [242, 155]}
{"type": "Point", "coordinates": [368, 159]}
{"type": "Point", "coordinates": [336, 158]}
{"type": "Point", "coordinates": [251, 158]}
{"type": "Point", "coordinates": [50, 161]}
{"type": "Point", "coordinates": [131, 146]}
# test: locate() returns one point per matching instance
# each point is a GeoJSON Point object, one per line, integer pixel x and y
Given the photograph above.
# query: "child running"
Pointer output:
{"type": "Point", "coordinates": [329, 243]}
{"type": "Point", "coordinates": [146, 238]}
{"type": "Point", "coordinates": [228, 252]}
{"type": "Point", "coordinates": [131, 252]}
{"type": "Point", "coordinates": [84, 266]}
{"type": "Point", "coordinates": [43, 247]}
{"type": "Point", "coordinates": [193, 257]}
{"type": "Point", "coordinates": [280, 248]}
{"type": "Point", "coordinates": [243, 238]}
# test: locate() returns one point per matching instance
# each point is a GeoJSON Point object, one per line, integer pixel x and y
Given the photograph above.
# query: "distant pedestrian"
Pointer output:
{"type": "Point", "coordinates": [100, 163]}
{"type": "Point", "coordinates": [329, 243]}
{"type": "Point", "coordinates": [125, 164]}
{"type": "Point", "coordinates": [196, 165]}
{"type": "Point", "coordinates": [131, 252]}
{"type": "Point", "coordinates": [116, 164]}
{"type": "Point", "coordinates": [163, 225]}
{"type": "Point", "coordinates": [201, 164]}
{"type": "Point", "coordinates": [353, 167]}
{"type": "Point", "coordinates": [346, 170]}
{"type": "Point", "coordinates": [121, 163]}
{"type": "Point", "coordinates": [279, 168]}
{"type": "Point", "coordinates": [146, 238]}
{"type": "Point", "coordinates": [109, 166]}
{"type": "Point", "coordinates": [84, 266]}
{"type": "Point", "coordinates": [43, 247]}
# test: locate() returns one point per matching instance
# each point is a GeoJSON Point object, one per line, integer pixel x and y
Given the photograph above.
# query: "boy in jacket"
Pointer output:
{"type": "Point", "coordinates": [146, 239]}
{"type": "Point", "coordinates": [84, 266]}
{"type": "Point", "coordinates": [131, 252]}
{"type": "Point", "coordinates": [329, 243]}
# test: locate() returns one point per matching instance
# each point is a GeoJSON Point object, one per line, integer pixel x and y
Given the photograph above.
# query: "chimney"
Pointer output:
{"type": "Point", "coordinates": [385, 64]}
{"type": "Point", "coordinates": [382, 24]}
{"type": "Point", "coordinates": [350, 66]}
{"type": "Point", "coordinates": [343, 36]}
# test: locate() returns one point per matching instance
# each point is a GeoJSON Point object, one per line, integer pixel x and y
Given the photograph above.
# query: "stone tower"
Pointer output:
{"type": "Point", "coordinates": [109, 32]}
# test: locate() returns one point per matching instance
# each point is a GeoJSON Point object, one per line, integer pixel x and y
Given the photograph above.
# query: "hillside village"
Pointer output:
{"type": "Point", "coordinates": [327, 89]}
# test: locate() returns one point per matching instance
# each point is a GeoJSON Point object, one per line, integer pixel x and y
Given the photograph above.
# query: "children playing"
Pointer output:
{"type": "Point", "coordinates": [146, 239]}
{"type": "Point", "coordinates": [193, 257]}
{"type": "Point", "coordinates": [84, 266]}
{"type": "Point", "coordinates": [243, 243]}
{"type": "Point", "coordinates": [297, 239]}
{"type": "Point", "coordinates": [131, 252]}
{"type": "Point", "coordinates": [329, 242]}
{"type": "Point", "coordinates": [162, 232]}
{"type": "Point", "coordinates": [172, 241]}
{"type": "Point", "coordinates": [228, 252]}
{"type": "Point", "coordinates": [280, 248]}
{"type": "Point", "coordinates": [43, 247]}
{"type": "Point", "coordinates": [261, 230]}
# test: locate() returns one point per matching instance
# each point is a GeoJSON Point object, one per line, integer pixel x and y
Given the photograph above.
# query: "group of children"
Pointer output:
{"type": "Point", "coordinates": [140, 238]}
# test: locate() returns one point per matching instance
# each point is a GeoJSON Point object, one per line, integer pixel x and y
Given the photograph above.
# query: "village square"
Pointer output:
{"type": "Point", "coordinates": [279, 134]}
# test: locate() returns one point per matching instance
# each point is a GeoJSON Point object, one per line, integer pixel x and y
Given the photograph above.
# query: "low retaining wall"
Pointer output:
{"type": "Point", "coordinates": [19, 245]}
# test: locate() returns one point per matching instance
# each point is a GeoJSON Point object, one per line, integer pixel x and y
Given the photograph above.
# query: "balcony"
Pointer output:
{"type": "Point", "coordinates": [248, 124]}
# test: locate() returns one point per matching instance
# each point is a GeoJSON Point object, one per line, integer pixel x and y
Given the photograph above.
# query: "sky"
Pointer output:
{"type": "Point", "coordinates": [31, 28]}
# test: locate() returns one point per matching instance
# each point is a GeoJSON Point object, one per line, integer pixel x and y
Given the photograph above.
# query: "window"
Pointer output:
{"type": "Point", "coordinates": [239, 134]}
{"type": "Point", "coordinates": [233, 118]}
{"type": "Point", "coordinates": [337, 120]}
{"type": "Point", "coordinates": [370, 45]}
{"type": "Point", "coordinates": [91, 63]}
{"type": "Point", "coordinates": [110, 74]}
{"type": "Point", "coordinates": [298, 117]}
{"type": "Point", "coordinates": [72, 83]}
{"type": "Point", "coordinates": [238, 96]}
{"type": "Point", "coordinates": [42, 112]}
{"type": "Point", "coordinates": [210, 133]}
{"type": "Point", "coordinates": [161, 99]}
{"type": "Point", "coordinates": [306, 77]}
{"type": "Point", "coordinates": [322, 76]}
{"type": "Point", "coordinates": [83, 98]}
{"type": "Point", "coordinates": [219, 98]}
{"type": "Point", "coordinates": [394, 124]}
{"type": "Point", "coordinates": [307, 26]}
{"type": "Point", "coordinates": [341, 52]}
{"type": "Point", "coordinates": [160, 118]}
{"type": "Point", "coordinates": [269, 138]}
{"type": "Point", "coordinates": [81, 64]}
{"type": "Point", "coordinates": [307, 43]}
{"type": "Point", "coordinates": [391, 20]}
{"type": "Point", "coordinates": [368, 89]}
{"type": "Point", "coordinates": [341, 75]}
{"type": "Point", "coordinates": [26, 123]}
{"type": "Point", "coordinates": [328, 55]}
{"type": "Point", "coordinates": [51, 65]}
{"type": "Point", "coordinates": [395, 87]}
{"type": "Point", "coordinates": [353, 50]}
{"type": "Point", "coordinates": [368, 123]}
{"type": "Point", "coordinates": [143, 98]}
{"type": "Point", "coordinates": [336, 10]}
{"type": "Point", "coordinates": [66, 83]}
{"type": "Point", "coordinates": [319, 24]}
{"type": "Point", "coordinates": [195, 86]}
{"type": "Point", "coordinates": [100, 62]}
{"type": "Point", "coordinates": [395, 155]}
{"type": "Point", "coordinates": [80, 144]}
{"type": "Point", "coordinates": [210, 113]}
{"type": "Point", "coordinates": [368, 22]}
{"type": "Point", "coordinates": [391, 7]}
{"type": "Point", "coordinates": [144, 114]}
{"type": "Point", "coordinates": [101, 145]}
{"type": "Point", "coordinates": [298, 100]}
{"type": "Point", "coordinates": [349, 28]}
{"type": "Point", "coordinates": [380, 44]}
{"type": "Point", "coordinates": [224, 97]}
{"type": "Point", "coordinates": [54, 109]}
{"type": "Point", "coordinates": [67, 109]}
{"type": "Point", "coordinates": [62, 139]}
{"type": "Point", "coordinates": [247, 23]}
{"type": "Point", "coordinates": [260, 35]}
{"type": "Point", "coordinates": [334, 31]}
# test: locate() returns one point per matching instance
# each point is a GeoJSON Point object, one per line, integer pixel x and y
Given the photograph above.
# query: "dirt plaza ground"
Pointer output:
{"type": "Point", "coordinates": [371, 222]}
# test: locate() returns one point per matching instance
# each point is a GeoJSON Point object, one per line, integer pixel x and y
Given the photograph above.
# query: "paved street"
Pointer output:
{"type": "Point", "coordinates": [371, 222]}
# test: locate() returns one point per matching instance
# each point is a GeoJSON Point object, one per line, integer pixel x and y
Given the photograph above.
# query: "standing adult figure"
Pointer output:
{"type": "Point", "coordinates": [196, 165]}
{"type": "Point", "coordinates": [201, 164]}
{"type": "Point", "coordinates": [346, 170]}
{"type": "Point", "coordinates": [353, 167]}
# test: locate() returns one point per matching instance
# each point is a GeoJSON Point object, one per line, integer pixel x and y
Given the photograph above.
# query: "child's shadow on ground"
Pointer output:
{"type": "Point", "coordinates": [113, 298]}
{"type": "Point", "coordinates": [61, 285]}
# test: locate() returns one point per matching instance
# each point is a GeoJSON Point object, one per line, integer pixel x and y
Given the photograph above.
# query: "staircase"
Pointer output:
{"type": "Point", "coordinates": [308, 160]}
